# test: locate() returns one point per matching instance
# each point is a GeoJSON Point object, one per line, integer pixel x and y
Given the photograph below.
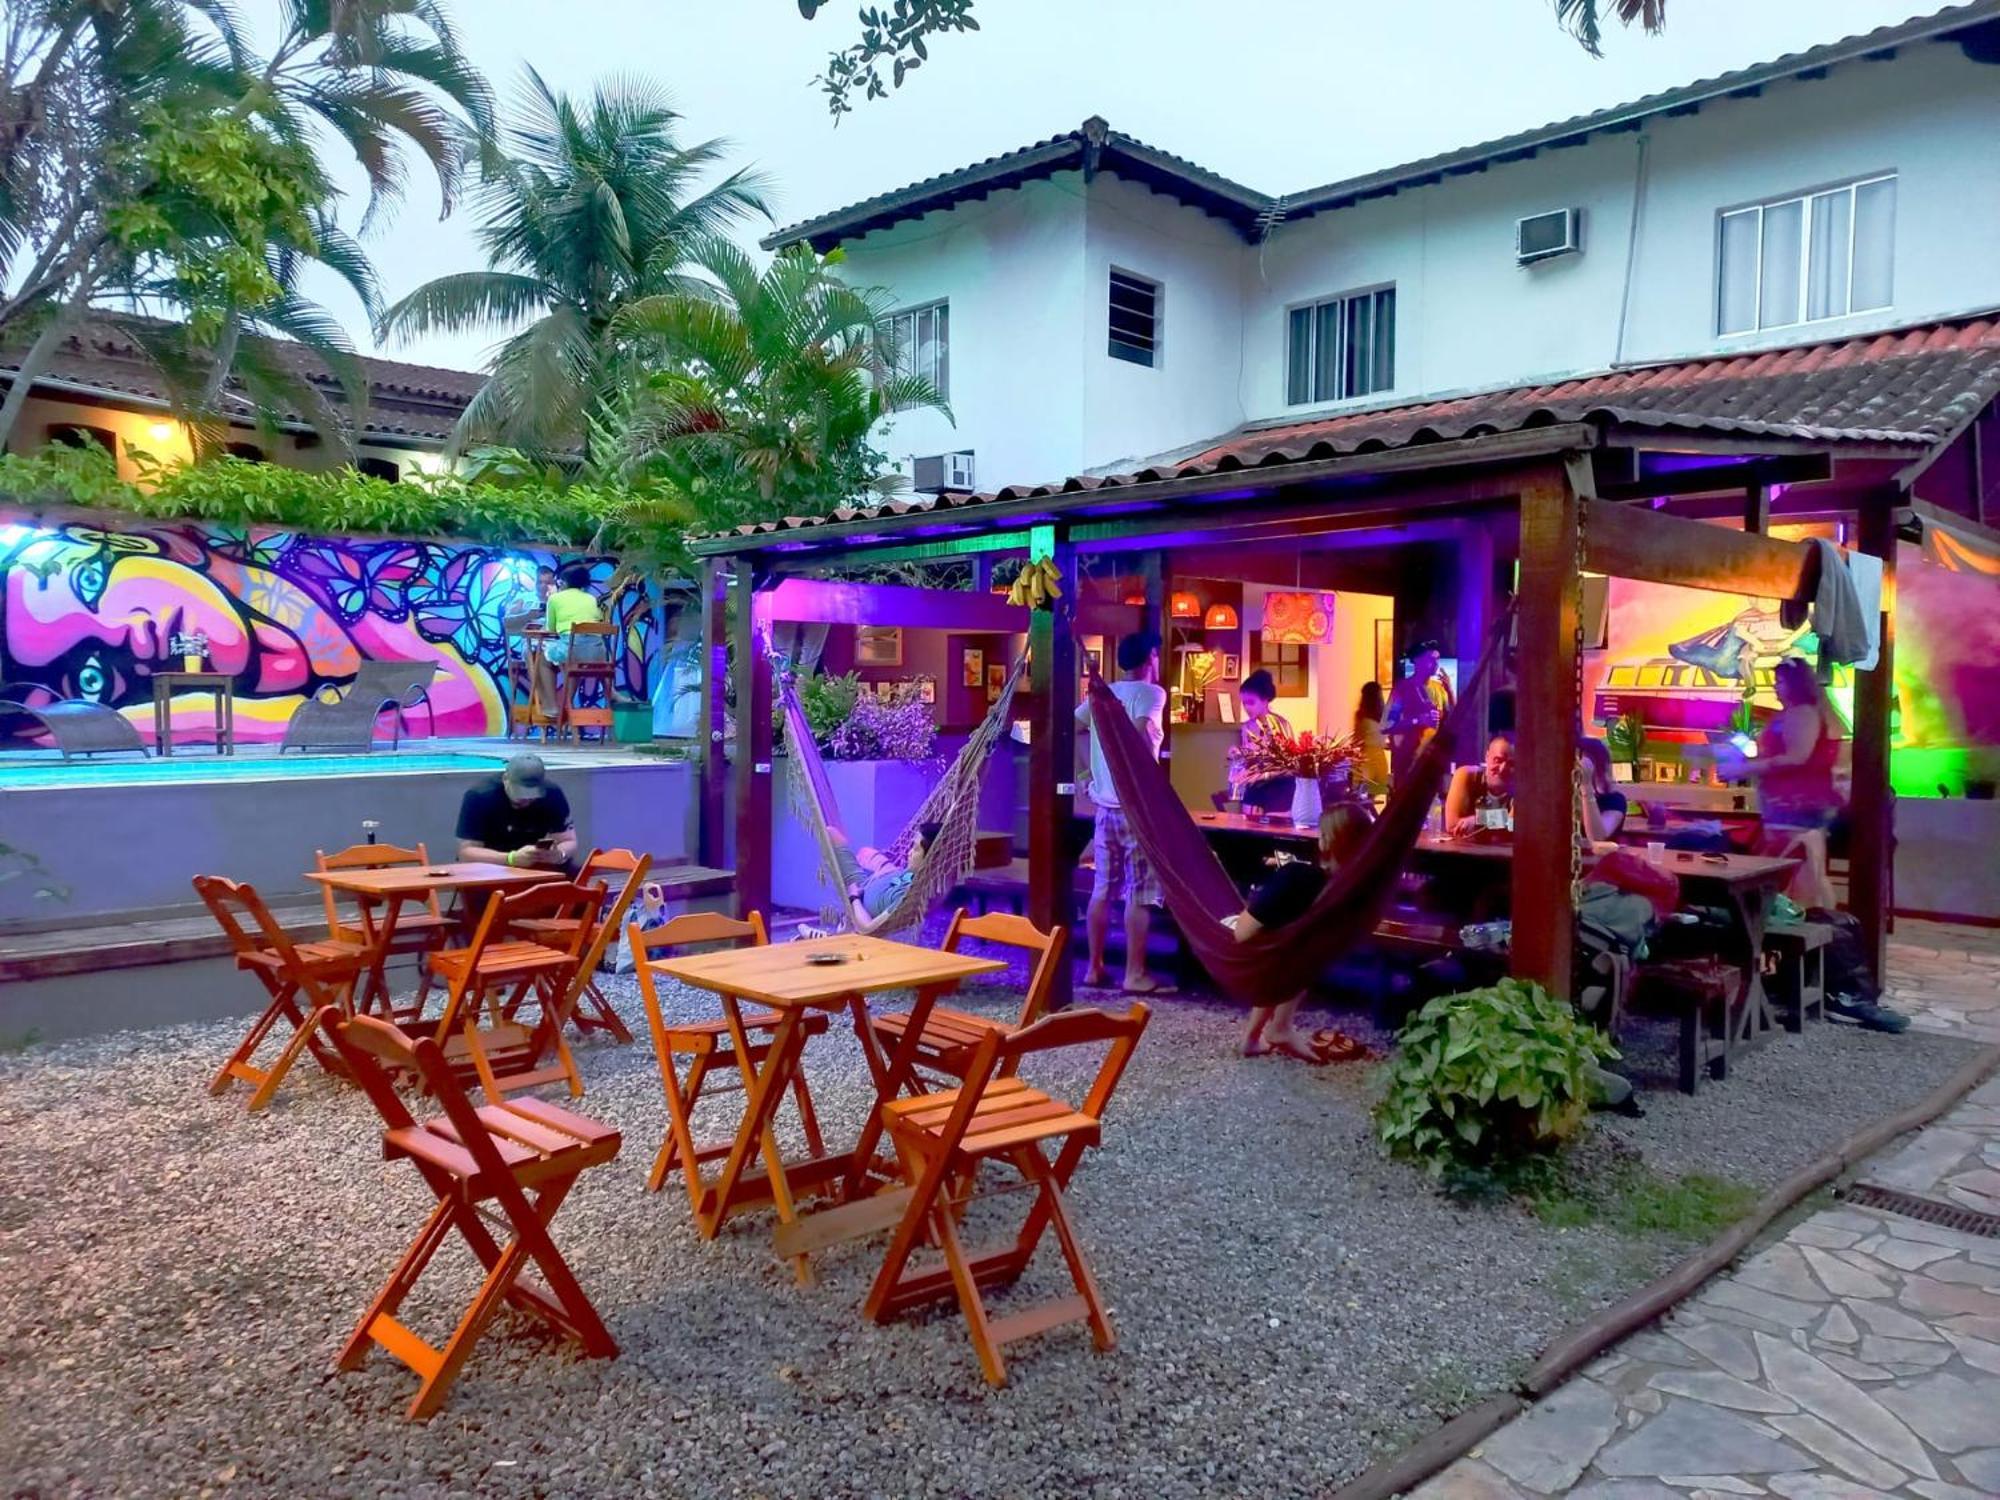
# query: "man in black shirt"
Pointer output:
{"type": "Point", "coordinates": [517, 818]}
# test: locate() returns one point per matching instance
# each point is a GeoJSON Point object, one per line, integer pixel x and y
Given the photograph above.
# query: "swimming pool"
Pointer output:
{"type": "Point", "coordinates": [24, 774]}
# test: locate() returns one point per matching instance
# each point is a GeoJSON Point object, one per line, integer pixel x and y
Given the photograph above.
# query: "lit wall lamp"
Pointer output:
{"type": "Point", "coordinates": [1219, 617]}
{"type": "Point", "coordinates": [161, 432]}
{"type": "Point", "coordinates": [1184, 607]}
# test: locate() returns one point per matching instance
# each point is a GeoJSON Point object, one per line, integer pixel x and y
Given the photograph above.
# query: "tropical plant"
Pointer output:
{"type": "Point", "coordinates": [1489, 1075]}
{"type": "Point", "coordinates": [1625, 738]}
{"type": "Point", "coordinates": [827, 701]}
{"type": "Point", "coordinates": [1584, 19]}
{"type": "Point", "coordinates": [767, 386]}
{"type": "Point", "coordinates": [586, 207]}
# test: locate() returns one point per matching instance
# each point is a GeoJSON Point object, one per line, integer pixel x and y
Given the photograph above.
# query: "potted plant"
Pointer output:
{"type": "Point", "coordinates": [1306, 757]}
{"type": "Point", "coordinates": [1625, 739]}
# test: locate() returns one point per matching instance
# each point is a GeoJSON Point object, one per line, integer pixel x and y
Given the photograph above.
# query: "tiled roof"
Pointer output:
{"type": "Point", "coordinates": [417, 403]}
{"type": "Point", "coordinates": [1913, 387]}
{"type": "Point", "coordinates": [1254, 213]}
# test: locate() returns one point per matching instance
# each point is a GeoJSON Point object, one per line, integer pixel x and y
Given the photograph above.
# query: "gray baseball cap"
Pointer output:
{"type": "Point", "coordinates": [525, 778]}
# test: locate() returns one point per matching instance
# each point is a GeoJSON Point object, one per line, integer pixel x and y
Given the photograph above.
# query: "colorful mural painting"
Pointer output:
{"type": "Point", "coordinates": [88, 612]}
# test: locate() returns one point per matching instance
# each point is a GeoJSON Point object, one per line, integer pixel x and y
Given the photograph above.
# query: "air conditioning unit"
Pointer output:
{"type": "Point", "coordinates": [940, 472]}
{"type": "Point", "coordinates": [1545, 236]}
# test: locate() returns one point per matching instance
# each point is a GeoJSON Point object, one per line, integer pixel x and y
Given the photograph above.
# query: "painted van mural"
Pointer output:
{"type": "Point", "coordinates": [90, 612]}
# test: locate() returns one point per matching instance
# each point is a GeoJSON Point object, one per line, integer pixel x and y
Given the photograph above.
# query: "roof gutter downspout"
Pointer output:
{"type": "Point", "coordinates": [1639, 180]}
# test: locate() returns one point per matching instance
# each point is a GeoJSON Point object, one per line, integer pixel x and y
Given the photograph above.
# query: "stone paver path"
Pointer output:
{"type": "Point", "coordinates": [1945, 978]}
{"type": "Point", "coordinates": [1857, 1358]}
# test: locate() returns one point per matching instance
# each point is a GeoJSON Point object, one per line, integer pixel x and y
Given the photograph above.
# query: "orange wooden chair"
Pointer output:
{"type": "Point", "coordinates": [593, 1010]}
{"type": "Point", "coordinates": [493, 976]}
{"type": "Point", "coordinates": [319, 974]}
{"type": "Point", "coordinates": [950, 1037]}
{"type": "Point", "coordinates": [588, 665]}
{"type": "Point", "coordinates": [943, 1138]}
{"type": "Point", "coordinates": [521, 1157]}
{"type": "Point", "coordinates": [419, 932]}
{"type": "Point", "coordinates": [707, 1046]}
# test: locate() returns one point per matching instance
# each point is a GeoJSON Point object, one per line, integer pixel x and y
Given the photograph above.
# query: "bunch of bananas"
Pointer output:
{"type": "Point", "coordinates": [1038, 585]}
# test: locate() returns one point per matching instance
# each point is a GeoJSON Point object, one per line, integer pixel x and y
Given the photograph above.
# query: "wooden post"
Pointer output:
{"type": "Point", "coordinates": [1757, 508]}
{"type": "Point", "coordinates": [1052, 753]}
{"type": "Point", "coordinates": [1546, 710]}
{"type": "Point", "coordinates": [1872, 807]}
{"type": "Point", "coordinates": [753, 747]}
{"type": "Point", "coordinates": [714, 718]}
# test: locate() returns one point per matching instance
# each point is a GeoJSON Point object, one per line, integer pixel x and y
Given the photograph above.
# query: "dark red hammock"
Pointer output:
{"type": "Point", "coordinates": [1275, 964]}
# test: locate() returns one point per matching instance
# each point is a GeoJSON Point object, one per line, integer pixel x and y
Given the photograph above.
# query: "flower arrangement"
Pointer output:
{"type": "Point", "coordinates": [1298, 753]}
{"type": "Point", "coordinates": [879, 731]}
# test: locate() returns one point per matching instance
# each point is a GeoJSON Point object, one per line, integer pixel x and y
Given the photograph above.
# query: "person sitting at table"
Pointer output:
{"type": "Point", "coordinates": [571, 604]}
{"type": "Point", "coordinates": [1373, 769]}
{"type": "Point", "coordinates": [1483, 785]}
{"type": "Point", "coordinates": [1255, 694]}
{"type": "Point", "coordinates": [1601, 807]}
{"type": "Point", "coordinates": [518, 818]}
{"type": "Point", "coordinates": [1284, 896]}
{"type": "Point", "coordinates": [871, 881]}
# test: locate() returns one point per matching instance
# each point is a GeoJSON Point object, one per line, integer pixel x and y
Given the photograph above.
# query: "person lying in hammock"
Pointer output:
{"type": "Point", "coordinates": [1284, 896]}
{"type": "Point", "coordinates": [871, 880]}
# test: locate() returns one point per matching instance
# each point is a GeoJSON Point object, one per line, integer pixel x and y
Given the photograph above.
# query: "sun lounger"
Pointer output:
{"type": "Point", "coordinates": [347, 721]}
{"type": "Point", "coordinates": [77, 725]}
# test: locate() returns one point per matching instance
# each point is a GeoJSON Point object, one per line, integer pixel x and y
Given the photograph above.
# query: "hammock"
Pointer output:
{"type": "Point", "coordinates": [1275, 964]}
{"type": "Point", "coordinates": [953, 805]}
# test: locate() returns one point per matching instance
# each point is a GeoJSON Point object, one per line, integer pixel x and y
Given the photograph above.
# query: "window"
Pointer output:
{"type": "Point", "coordinates": [921, 344]}
{"type": "Point", "coordinates": [1342, 348]}
{"type": "Point", "coordinates": [1135, 319]}
{"type": "Point", "coordinates": [1798, 260]}
{"type": "Point", "coordinates": [76, 435]}
{"type": "Point", "coordinates": [1287, 664]}
{"type": "Point", "coordinates": [378, 468]}
{"type": "Point", "coordinates": [248, 452]}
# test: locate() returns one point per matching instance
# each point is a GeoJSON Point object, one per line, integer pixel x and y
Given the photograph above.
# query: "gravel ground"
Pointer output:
{"type": "Point", "coordinates": [175, 1277]}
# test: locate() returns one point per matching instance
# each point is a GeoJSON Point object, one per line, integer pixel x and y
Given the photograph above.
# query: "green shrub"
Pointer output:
{"type": "Point", "coordinates": [827, 702]}
{"type": "Point", "coordinates": [1488, 1076]}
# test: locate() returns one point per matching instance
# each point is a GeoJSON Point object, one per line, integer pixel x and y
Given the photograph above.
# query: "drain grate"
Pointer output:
{"type": "Point", "coordinates": [1910, 1206]}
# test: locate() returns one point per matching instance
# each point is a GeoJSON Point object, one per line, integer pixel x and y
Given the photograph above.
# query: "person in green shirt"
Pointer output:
{"type": "Point", "coordinates": [571, 604]}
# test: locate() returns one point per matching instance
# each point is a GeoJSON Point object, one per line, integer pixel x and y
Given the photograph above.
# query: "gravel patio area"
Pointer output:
{"type": "Point", "coordinates": [175, 1277]}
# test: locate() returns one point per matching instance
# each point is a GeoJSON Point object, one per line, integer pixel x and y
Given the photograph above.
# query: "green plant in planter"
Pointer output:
{"type": "Point", "coordinates": [1625, 738]}
{"type": "Point", "coordinates": [1489, 1075]}
{"type": "Point", "coordinates": [827, 701]}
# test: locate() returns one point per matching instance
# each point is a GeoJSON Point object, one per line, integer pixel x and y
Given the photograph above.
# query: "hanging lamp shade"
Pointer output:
{"type": "Point", "coordinates": [1184, 606]}
{"type": "Point", "coordinates": [1219, 617]}
{"type": "Point", "coordinates": [1136, 599]}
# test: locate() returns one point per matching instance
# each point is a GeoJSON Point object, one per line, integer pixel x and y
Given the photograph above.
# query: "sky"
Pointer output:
{"type": "Point", "coordinates": [1281, 95]}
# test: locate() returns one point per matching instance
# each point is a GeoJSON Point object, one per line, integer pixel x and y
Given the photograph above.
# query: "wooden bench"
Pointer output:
{"type": "Point", "coordinates": [1705, 995]}
{"type": "Point", "coordinates": [1798, 980]}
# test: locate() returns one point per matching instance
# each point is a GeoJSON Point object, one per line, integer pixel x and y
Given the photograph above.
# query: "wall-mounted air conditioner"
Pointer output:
{"type": "Point", "coordinates": [941, 471]}
{"type": "Point", "coordinates": [1545, 236]}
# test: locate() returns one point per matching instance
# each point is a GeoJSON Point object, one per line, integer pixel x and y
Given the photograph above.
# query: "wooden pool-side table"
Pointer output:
{"type": "Point", "coordinates": [222, 685]}
{"type": "Point", "coordinates": [794, 979]}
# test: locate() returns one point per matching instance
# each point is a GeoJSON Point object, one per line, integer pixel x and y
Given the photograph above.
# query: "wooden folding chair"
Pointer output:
{"type": "Point", "coordinates": [707, 1046]}
{"type": "Point", "coordinates": [522, 1157]}
{"type": "Point", "coordinates": [495, 974]}
{"type": "Point", "coordinates": [943, 1138]}
{"type": "Point", "coordinates": [593, 1010]}
{"type": "Point", "coordinates": [950, 1037]}
{"type": "Point", "coordinates": [418, 933]}
{"type": "Point", "coordinates": [320, 974]}
{"type": "Point", "coordinates": [587, 662]}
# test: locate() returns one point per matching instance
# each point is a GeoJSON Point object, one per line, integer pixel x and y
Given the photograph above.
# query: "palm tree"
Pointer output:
{"type": "Point", "coordinates": [590, 205]}
{"type": "Point", "coordinates": [768, 386]}
{"type": "Point", "coordinates": [1583, 18]}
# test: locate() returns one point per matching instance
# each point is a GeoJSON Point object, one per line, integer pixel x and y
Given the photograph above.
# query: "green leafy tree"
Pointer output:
{"type": "Point", "coordinates": [895, 38]}
{"type": "Point", "coordinates": [589, 206]}
{"type": "Point", "coordinates": [767, 386]}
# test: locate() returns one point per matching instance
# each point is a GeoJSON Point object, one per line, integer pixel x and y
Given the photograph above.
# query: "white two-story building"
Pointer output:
{"type": "Point", "coordinates": [1090, 302]}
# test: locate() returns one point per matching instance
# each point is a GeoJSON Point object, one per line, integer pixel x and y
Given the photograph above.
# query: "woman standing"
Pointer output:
{"type": "Point", "coordinates": [1368, 714]}
{"type": "Point", "coordinates": [1255, 694]}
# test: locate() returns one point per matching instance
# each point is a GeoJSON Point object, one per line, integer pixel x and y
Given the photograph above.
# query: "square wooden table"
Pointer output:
{"type": "Point", "coordinates": [220, 684]}
{"type": "Point", "coordinates": [392, 888]}
{"type": "Point", "coordinates": [793, 979]}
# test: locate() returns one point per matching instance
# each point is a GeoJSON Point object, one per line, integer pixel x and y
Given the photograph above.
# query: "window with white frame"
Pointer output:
{"type": "Point", "coordinates": [921, 340]}
{"type": "Point", "coordinates": [1134, 323]}
{"type": "Point", "coordinates": [1811, 256]}
{"type": "Point", "coordinates": [1341, 348]}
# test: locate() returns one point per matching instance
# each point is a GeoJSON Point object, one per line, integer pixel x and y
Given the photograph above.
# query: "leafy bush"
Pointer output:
{"type": "Point", "coordinates": [827, 702]}
{"type": "Point", "coordinates": [1489, 1075]}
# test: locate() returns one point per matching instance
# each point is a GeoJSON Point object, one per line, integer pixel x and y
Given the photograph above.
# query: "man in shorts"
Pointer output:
{"type": "Point", "coordinates": [1122, 870]}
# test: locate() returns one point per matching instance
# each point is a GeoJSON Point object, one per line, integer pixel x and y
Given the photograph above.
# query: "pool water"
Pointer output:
{"type": "Point", "coordinates": [128, 771]}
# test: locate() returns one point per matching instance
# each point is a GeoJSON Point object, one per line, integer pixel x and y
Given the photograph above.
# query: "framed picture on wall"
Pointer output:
{"type": "Point", "coordinates": [996, 676]}
{"type": "Point", "coordinates": [975, 666]}
{"type": "Point", "coordinates": [1093, 661]}
{"type": "Point", "coordinates": [1232, 668]}
{"type": "Point", "coordinates": [1385, 653]}
{"type": "Point", "coordinates": [926, 690]}
{"type": "Point", "coordinates": [878, 645]}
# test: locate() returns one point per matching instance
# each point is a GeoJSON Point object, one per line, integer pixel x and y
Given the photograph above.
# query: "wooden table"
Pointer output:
{"type": "Point", "coordinates": [393, 888]}
{"type": "Point", "coordinates": [795, 979]}
{"type": "Point", "coordinates": [221, 684]}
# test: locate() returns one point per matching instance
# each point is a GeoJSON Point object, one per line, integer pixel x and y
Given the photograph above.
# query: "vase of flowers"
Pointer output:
{"type": "Point", "coordinates": [1307, 758]}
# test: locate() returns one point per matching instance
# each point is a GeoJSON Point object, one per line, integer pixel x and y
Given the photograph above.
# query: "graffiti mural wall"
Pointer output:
{"type": "Point", "coordinates": [90, 612]}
